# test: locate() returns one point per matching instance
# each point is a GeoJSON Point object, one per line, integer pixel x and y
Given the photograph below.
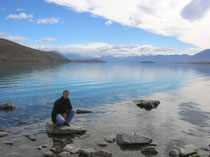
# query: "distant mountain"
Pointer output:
{"type": "Point", "coordinates": [203, 56]}
{"type": "Point", "coordinates": [13, 52]}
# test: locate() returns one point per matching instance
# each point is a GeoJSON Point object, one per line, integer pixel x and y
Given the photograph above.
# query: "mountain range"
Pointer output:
{"type": "Point", "coordinates": [201, 57]}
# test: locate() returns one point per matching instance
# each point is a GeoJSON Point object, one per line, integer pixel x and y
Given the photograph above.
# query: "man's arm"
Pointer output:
{"type": "Point", "coordinates": [55, 111]}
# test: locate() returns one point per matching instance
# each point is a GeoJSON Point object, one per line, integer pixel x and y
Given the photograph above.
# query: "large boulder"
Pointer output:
{"type": "Point", "coordinates": [135, 139]}
{"type": "Point", "coordinates": [63, 130]}
{"type": "Point", "coordinates": [7, 106]}
{"type": "Point", "coordinates": [147, 104]}
{"type": "Point", "coordinates": [81, 111]}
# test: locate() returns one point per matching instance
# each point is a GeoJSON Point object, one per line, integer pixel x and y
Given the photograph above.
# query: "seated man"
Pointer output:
{"type": "Point", "coordinates": [62, 112]}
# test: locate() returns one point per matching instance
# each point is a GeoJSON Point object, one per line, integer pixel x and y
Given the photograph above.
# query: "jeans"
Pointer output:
{"type": "Point", "coordinates": [60, 119]}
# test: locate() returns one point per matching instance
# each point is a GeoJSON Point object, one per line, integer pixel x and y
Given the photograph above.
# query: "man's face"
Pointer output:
{"type": "Point", "coordinates": [65, 95]}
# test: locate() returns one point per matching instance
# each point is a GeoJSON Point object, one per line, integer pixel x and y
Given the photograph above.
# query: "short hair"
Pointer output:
{"type": "Point", "coordinates": [65, 91]}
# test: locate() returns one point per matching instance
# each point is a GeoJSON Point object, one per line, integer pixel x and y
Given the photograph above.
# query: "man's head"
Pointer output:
{"type": "Point", "coordinates": [65, 94]}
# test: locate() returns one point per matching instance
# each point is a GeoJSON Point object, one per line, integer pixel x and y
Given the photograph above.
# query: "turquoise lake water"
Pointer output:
{"type": "Point", "coordinates": [108, 89]}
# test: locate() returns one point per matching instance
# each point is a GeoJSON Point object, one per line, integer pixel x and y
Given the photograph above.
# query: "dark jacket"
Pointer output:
{"type": "Point", "coordinates": [61, 106]}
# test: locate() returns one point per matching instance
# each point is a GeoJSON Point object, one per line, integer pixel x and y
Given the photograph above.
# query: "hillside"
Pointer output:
{"type": "Point", "coordinates": [13, 52]}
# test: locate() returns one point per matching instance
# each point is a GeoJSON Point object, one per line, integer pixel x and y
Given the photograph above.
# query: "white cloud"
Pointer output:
{"type": "Point", "coordinates": [12, 38]}
{"type": "Point", "coordinates": [51, 20]}
{"type": "Point", "coordinates": [19, 9]}
{"type": "Point", "coordinates": [109, 22]}
{"type": "Point", "coordinates": [104, 49]}
{"type": "Point", "coordinates": [165, 17]}
{"type": "Point", "coordinates": [45, 40]}
{"type": "Point", "coordinates": [20, 16]}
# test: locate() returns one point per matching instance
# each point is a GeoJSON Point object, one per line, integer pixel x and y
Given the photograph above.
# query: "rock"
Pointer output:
{"type": "Point", "coordinates": [42, 146]}
{"type": "Point", "coordinates": [102, 144]}
{"type": "Point", "coordinates": [125, 139]}
{"type": "Point", "coordinates": [72, 148]}
{"type": "Point", "coordinates": [48, 154]}
{"type": "Point", "coordinates": [184, 151]}
{"type": "Point", "coordinates": [188, 150]}
{"type": "Point", "coordinates": [80, 111]}
{"type": "Point", "coordinates": [22, 122]}
{"type": "Point", "coordinates": [64, 130]}
{"type": "Point", "coordinates": [64, 154]}
{"type": "Point", "coordinates": [7, 106]}
{"type": "Point", "coordinates": [3, 133]}
{"type": "Point", "coordinates": [86, 152]}
{"type": "Point", "coordinates": [175, 152]}
{"type": "Point", "coordinates": [101, 153]}
{"type": "Point", "coordinates": [150, 150]}
{"type": "Point", "coordinates": [30, 137]}
{"type": "Point", "coordinates": [147, 104]}
{"type": "Point", "coordinates": [110, 139]}
{"type": "Point", "coordinates": [8, 142]}
{"type": "Point", "coordinates": [53, 150]}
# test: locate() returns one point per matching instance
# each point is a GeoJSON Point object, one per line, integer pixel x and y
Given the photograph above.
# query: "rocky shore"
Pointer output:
{"type": "Point", "coordinates": [45, 140]}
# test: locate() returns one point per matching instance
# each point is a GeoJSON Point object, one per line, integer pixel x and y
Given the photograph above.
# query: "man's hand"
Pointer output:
{"type": "Point", "coordinates": [64, 115]}
{"type": "Point", "coordinates": [54, 124]}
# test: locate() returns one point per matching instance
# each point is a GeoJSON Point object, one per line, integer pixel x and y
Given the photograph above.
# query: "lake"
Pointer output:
{"type": "Point", "coordinates": [108, 89]}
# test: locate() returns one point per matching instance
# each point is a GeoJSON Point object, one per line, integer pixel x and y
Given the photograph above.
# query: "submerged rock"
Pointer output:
{"type": "Point", "coordinates": [8, 142]}
{"type": "Point", "coordinates": [64, 154]}
{"type": "Point", "coordinates": [22, 122]}
{"type": "Point", "coordinates": [64, 130]}
{"type": "Point", "coordinates": [125, 139]}
{"type": "Point", "coordinates": [184, 151]}
{"type": "Point", "coordinates": [7, 106]}
{"type": "Point", "coordinates": [86, 152]}
{"type": "Point", "coordinates": [2, 133]}
{"type": "Point", "coordinates": [100, 153]}
{"type": "Point", "coordinates": [48, 154]}
{"type": "Point", "coordinates": [30, 137]}
{"type": "Point", "coordinates": [110, 139]}
{"type": "Point", "coordinates": [80, 111]}
{"type": "Point", "coordinates": [150, 150]}
{"type": "Point", "coordinates": [147, 104]}
{"type": "Point", "coordinates": [72, 148]}
{"type": "Point", "coordinates": [102, 144]}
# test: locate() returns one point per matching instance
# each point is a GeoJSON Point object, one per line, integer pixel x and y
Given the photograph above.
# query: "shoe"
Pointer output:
{"type": "Point", "coordinates": [66, 124]}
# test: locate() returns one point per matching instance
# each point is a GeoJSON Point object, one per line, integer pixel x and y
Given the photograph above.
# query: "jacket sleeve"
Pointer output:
{"type": "Point", "coordinates": [69, 107]}
{"type": "Point", "coordinates": [55, 111]}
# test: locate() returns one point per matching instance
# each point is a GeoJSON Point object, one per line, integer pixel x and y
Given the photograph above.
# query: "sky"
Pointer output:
{"type": "Point", "coordinates": [120, 28]}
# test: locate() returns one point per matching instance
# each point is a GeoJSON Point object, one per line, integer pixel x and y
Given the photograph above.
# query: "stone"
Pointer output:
{"type": "Point", "coordinates": [2, 133]}
{"type": "Point", "coordinates": [147, 104]}
{"type": "Point", "coordinates": [134, 139]}
{"type": "Point", "coordinates": [86, 152]}
{"type": "Point", "coordinates": [72, 148]}
{"type": "Point", "coordinates": [110, 139]}
{"type": "Point", "coordinates": [30, 137]}
{"type": "Point", "coordinates": [150, 150]}
{"type": "Point", "coordinates": [100, 153]}
{"type": "Point", "coordinates": [80, 111]}
{"type": "Point", "coordinates": [64, 130]}
{"type": "Point", "coordinates": [7, 106]}
{"type": "Point", "coordinates": [53, 150]}
{"type": "Point", "coordinates": [22, 122]}
{"type": "Point", "coordinates": [42, 146]}
{"type": "Point", "coordinates": [174, 153]}
{"type": "Point", "coordinates": [64, 154]}
{"type": "Point", "coordinates": [188, 150]}
{"type": "Point", "coordinates": [102, 144]}
{"type": "Point", "coordinates": [184, 151]}
{"type": "Point", "coordinates": [48, 154]}
{"type": "Point", "coordinates": [8, 142]}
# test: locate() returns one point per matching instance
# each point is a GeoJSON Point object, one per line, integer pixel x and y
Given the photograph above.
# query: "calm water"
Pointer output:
{"type": "Point", "coordinates": [108, 89]}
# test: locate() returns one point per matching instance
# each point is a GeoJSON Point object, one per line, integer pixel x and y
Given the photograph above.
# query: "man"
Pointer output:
{"type": "Point", "coordinates": [62, 112]}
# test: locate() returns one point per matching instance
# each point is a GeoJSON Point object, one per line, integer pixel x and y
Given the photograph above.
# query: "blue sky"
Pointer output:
{"type": "Point", "coordinates": [90, 28]}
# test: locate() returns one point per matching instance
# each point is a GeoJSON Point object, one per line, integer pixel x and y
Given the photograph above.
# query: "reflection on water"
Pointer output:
{"type": "Point", "coordinates": [108, 89]}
